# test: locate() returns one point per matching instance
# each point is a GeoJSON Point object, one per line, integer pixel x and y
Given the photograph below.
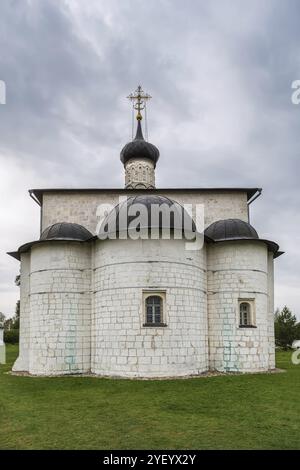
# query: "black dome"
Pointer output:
{"type": "Point", "coordinates": [179, 218]}
{"type": "Point", "coordinates": [66, 230]}
{"type": "Point", "coordinates": [139, 148]}
{"type": "Point", "coordinates": [230, 229]}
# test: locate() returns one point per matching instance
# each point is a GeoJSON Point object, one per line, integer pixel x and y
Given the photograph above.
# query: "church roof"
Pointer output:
{"type": "Point", "coordinates": [37, 194]}
{"type": "Point", "coordinates": [237, 230]}
{"type": "Point", "coordinates": [230, 229]}
{"type": "Point", "coordinates": [176, 218]}
{"type": "Point", "coordinates": [66, 230]}
{"type": "Point", "coordinates": [59, 232]}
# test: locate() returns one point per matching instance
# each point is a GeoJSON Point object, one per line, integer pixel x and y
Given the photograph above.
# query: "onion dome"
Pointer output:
{"type": "Point", "coordinates": [66, 230]}
{"type": "Point", "coordinates": [139, 148]}
{"type": "Point", "coordinates": [152, 212]}
{"type": "Point", "coordinates": [230, 229]}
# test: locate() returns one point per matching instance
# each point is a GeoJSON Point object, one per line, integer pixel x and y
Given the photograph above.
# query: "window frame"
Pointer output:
{"type": "Point", "coordinates": [163, 316]}
{"type": "Point", "coordinates": [252, 313]}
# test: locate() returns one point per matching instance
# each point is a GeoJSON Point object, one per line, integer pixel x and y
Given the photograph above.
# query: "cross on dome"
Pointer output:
{"type": "Point", "coordinates": [139, 99]}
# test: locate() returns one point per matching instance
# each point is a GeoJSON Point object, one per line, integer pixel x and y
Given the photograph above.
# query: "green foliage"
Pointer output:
{"type": "Point", "coordinates": [2, 319]}
{"type": "Point", "coordinates": [11, 336]}
{"type": "Point", "coordinates": [14, 322]}
{"type": "Point", "coordinates": [8, 324]}
{"type": "Point", "coordinates": [286, 328]}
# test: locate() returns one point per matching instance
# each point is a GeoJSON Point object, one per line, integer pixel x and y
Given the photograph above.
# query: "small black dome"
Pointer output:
{"type": "Point", "coordinates": [139, 148]}
{"type": "Point", "coordinates": [179, 219]}
{"type": "Point", "coordinates": [230, 229]}
{"type": "Point", "coordinates": [66, 230]}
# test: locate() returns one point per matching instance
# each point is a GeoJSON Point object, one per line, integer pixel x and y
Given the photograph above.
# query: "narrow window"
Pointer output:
{"type": "Point", "coordinates": [154, 309]}
{"type": "Point", "coordinates": [245, 314]}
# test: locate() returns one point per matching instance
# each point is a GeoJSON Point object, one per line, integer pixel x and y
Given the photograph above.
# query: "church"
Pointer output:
{"type": "Point", "coordinates": [96, 298]}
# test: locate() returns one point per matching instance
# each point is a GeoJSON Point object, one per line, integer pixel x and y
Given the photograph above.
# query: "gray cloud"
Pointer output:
{"type": "Point", "coordinates": [220, 74]}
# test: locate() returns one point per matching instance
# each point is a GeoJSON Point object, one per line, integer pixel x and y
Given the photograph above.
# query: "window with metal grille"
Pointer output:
{"type": "Point", "coordinates": [154, 309]}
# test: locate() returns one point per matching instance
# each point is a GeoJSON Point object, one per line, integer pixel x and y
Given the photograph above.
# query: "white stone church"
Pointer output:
{"type": "Point", "coordinates": [145, 307]}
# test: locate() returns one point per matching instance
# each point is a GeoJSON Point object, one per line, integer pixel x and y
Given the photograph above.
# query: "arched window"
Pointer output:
{"type": "Point", "coordinates": [245, 314]}
{"type": "Point", "coordinates": [154, 309]}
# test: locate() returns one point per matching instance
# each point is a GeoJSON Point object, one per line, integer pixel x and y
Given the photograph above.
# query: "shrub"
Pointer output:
{"type": "Point", "coordinates": [11, 336]}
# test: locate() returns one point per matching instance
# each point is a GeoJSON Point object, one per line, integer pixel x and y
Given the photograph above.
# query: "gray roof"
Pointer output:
{"type": "Point", "coordinates": [220, 231]}
{"type": "Point", "coordinates": [139, 148]}
{"type": "Point", "coordinates": [60, 232]}
{"type": "Point", "coordinates": [230, 229]}
{"type": "Point", "coordinates": [179, 219]}
{"type": "Point", "coordinates": [66, 230]}
{"type": "Point", "coordinates": [37, 194]}
{"type": "Point", "coordinates": [237, 230]}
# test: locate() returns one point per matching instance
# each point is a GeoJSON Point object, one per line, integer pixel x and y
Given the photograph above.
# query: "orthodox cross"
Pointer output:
{"type": "Point", "coordinates": [139, 99]}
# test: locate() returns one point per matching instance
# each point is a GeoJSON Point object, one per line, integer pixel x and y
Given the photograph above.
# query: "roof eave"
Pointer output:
{"type": "Point", "coordinates": [26, 247]}
{"type": "Point", "coordinates": [273, 246]}
{"type": "Point", "coordinates": [37, 194]}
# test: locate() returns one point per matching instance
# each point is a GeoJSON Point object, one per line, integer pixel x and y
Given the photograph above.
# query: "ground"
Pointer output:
{"type": "Point", "coordinates": [260, 411]}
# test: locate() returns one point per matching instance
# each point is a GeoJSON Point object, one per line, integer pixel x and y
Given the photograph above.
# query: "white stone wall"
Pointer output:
{"type": "Point", "coordinates": [82, 308]}
{"type": "Point", "coordinates": [22, 363]}
{"type": "Point", "coordinates": [139, 174]}
{"type": "Point", "coordinates": [239, 270]}
{"type": "Point", "coordinates": [121, 345]}
{"type": "Point", "coordinates": [271, 311]}
{"type": "Point", "coordinates": [81, 207]}
{"type": "Point", "coordinates": [60, 308]}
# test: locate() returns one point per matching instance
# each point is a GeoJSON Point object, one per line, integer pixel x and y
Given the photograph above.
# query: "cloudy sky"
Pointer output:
{"type": "Point", "coordinates": [220, 73]}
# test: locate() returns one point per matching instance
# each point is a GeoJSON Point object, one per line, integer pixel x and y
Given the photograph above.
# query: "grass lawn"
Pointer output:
{"type": "Point", "coordinates": [259, 411]}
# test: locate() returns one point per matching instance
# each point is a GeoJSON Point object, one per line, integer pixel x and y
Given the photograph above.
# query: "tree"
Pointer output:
{"type": "Point", "coordinates": [2, 319]}
{"type": "Point", "coordinates": [298, 331]}
{"type": "Point", "coordinates": [286, 328]}
{"type": "Point", "coordinates": [14, 322]}
{"type": "Point", "coordinates": [17, 316]}
{"type": "Point", "coordinates": [8, 324]}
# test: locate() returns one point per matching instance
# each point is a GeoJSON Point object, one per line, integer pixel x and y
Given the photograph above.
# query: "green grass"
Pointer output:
{"type": "Point", "coordinates": [260, 411]}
